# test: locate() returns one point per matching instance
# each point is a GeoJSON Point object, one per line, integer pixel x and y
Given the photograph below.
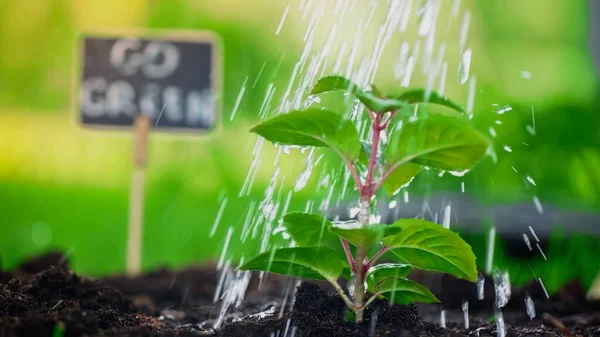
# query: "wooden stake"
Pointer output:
{"type": "Point", "coordinates": [141, 128]}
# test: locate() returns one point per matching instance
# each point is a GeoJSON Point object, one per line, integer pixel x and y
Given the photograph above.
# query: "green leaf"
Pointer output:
{"type": "Point", "coordinates": [376, 91]}
{"type": "Point", "coordinates": [313, 127]}
{"type": "Point", "coordinates": [428, 246]}
{"type": "Point", "coordinates": [400, 177]}
{"type": "Point", "coordinates": [385, 270]}
{"type": "Point", "coordinates": [442, 142]}
{"type": "Point", "coordinates": [317, 263]}
{"type": "Point", "coordinates": [420, 96]}
{"type": "Point", "coordinates": [369, 99]}
{"type": "Point", "coordinates": [310, 230]}
{"type": "Point", "coordinates": [363, 236]}
{"type": "Point", "coordinates": [403, 291]}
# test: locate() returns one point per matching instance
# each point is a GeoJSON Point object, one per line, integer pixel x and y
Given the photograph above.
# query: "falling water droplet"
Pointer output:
{"type": "Point", "coordinates": [443, 318]}
{"type": "Point", "coordinates": [533, 233]}
{"type": "Point", "coordinates": [392, 204]}
{"type": "Point", "coordinates": [502, 110]}
{"type": "Point", "coordinates": [283, 17]}
{"type": "Point", "coordinates": [465, 309]}
{"type": "Point", "coordinates": [541, 251]}
{"type": "Point", "coordinates": [373, 326]}
{"type": "Point", "coordinates": [218, 218]}
{"type": "Point", "coordinates": [406, 197]}
{"type": "Point", "coordinates": [538, 205]}
{"type": "Point", "coordinates": [543, 287]}
{"type": "Point", "coordinates": [527, 242]}
{"type": "Point", "coordinates": [525, 74]}
{"type": "Point", "coordinates": [507, 148]}
{"type": "Point", "coordinates": [462, 187]}
{"type": "Point", "coordinates": [464, 66]}
{"type": "Point", "coordinates": [493, 132]}
{"type": "Point", "coordinates": [446, 218]}
{"type": "Point", "coordinates": [530, 307]}
{"type": "Point", "coordinates": [530, 180]}
{"type": "Point", "coordinates": [490, 249]}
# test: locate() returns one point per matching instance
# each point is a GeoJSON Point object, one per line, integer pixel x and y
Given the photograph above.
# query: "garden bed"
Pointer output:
{"type": "Point", "coordinates": [40, 298]}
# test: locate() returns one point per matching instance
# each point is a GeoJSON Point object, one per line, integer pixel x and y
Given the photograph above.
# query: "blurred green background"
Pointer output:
{"type": "Point", "coordinates": [64, 188]}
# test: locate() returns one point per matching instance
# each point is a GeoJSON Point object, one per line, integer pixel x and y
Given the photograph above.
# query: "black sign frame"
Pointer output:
{"type": "Point", "coordinates": [175, 36]}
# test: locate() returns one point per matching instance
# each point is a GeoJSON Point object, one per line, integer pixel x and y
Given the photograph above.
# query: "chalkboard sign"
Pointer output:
{"type": "Point", "coordinates": [173, 80]}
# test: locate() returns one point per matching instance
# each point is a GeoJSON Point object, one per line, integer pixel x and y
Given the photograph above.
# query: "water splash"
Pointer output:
{"type": "Point", "coordinates": [500, 326]}
{"type": "Point", "coordinates": [480, 287]}
{"type": "Point", "coordinates": [502, 288]}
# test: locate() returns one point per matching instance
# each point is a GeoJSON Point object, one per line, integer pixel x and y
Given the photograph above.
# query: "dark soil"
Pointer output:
{"type": "Point", "coordinates": [43, 298]}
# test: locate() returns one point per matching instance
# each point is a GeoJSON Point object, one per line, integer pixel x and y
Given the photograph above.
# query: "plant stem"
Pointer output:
{"type": "Point", "coordinates": [359, 284]}
{"type": "Point", "coordinates": [366, 193]}
{"type": "Point", "coordinates": [342, 294]}
{"type": "Point", "coordinates": [376, 129]}
{"type": "Point", "coordinates": [376, 257]}
{"type": "Point", "coordinates": [348, 254]}
{"type": "Point", "coordinates": [371, 299]}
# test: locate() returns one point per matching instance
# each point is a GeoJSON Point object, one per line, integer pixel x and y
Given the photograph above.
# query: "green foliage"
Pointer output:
{"type": "Point", "coordinates": [442, 142]}
{"type": "Point", "coordinates": [401, 176]}
{"type": "Point", "coordinates": [422, 96]}
{"type": "Point", "coordinates": [369, 99]}
{"type": "Point", "coordinates": [316, 263]}
{"type": "Point", "coordinates": [386, 270]}
{"type": "Point", "coordinates": [429, 246]}
{"type": "Point", "coordinates": [360, 235]}
{"type": "Point", "coordinates": [310, 230]}
{"type": "Point", "coordinates": [399, 290]}
{"type": "Point", "coordinates": [313, 127]}
{"type": "Point", "coordinates": [445, 143]}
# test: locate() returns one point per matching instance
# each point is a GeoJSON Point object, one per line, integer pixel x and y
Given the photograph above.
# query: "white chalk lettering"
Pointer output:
{"type": "Point", "coordinates": [92, 96]}
{"type": "Point", "coordinates": [126, 65]}
{"type": "Point", "coordinates": [152, 67]}
{"type": "Point", "coordinates": [149, 100]}
{"type": "Point", "coordinates": [119, 99]}
{"type": "Point", "coordinates": [172, 100]}
{"type": "Point", "coordinates": [200, 107]}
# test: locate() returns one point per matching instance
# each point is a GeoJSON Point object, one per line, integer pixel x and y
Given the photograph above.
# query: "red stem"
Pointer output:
{"type": "Point", "coordinates": [348, 254]}
{"type": "Point", "coordinates": [376, 128]}
{"type": "Point", "coordinates": [376, 257]}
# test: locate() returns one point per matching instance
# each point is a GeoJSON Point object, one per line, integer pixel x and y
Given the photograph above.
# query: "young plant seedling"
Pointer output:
{"type": "Point", "coordinates": [324, 250]}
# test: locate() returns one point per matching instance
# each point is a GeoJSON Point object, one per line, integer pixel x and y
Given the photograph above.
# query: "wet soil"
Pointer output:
{"type": "Point", "coordinates": [44, 298]}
